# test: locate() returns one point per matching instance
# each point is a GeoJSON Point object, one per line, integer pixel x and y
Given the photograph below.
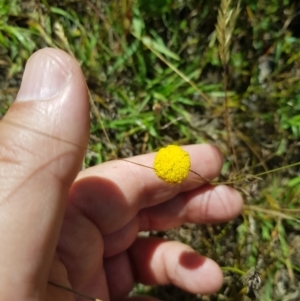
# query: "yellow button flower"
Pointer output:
{"type": "Point", "coordinates": [172, 164]}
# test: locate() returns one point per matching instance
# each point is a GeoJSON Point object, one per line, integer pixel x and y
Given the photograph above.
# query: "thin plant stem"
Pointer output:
{"type": "Point", "coordinates": [73, 291]}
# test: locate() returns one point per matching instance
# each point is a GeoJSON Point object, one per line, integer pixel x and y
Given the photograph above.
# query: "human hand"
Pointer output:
{"type": "Point", "coordinates": [83, 233]}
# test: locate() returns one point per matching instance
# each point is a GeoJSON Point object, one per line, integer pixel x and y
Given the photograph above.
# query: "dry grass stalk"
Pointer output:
{"type": "Point", "coordinates": [225, 25]}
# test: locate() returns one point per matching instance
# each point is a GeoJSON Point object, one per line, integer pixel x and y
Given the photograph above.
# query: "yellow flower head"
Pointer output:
{"type": "Point", "coordinates": [172, 164]}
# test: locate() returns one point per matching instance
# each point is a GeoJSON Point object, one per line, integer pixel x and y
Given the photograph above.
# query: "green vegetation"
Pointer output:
{"type": "Point", "coordinates": [155, 75]}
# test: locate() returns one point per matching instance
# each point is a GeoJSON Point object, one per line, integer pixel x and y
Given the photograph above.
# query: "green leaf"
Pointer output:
{"type": "Point", "coordinates": [294, 182]}
{"type": "Point", "coordinates": [159, 47]}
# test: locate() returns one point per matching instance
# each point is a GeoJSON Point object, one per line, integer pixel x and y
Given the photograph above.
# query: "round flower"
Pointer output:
{"type": "Point", "coordinates": [172, 164]}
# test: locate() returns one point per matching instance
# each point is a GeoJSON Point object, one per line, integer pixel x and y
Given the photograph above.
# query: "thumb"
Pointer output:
{"type": "Point", "coordinates": [43, 138]}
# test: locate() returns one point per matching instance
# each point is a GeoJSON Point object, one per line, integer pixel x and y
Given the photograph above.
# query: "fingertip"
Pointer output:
{"type": "Point", "coordinates": [160, 262]}
{"type": "Point", "coordinates": [198, 274]}
{"type": "Point", "coordinates": [229, 203]}
{"type": "Point", "coordinates": [213, 204]}
{"type": "Point", "coordinates": [210, 278]}
{"type": "Point", "coordinates": [207, 160]}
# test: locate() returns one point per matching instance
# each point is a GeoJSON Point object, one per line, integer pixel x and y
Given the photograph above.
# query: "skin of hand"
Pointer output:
{"type": "Point", "coordinates": [79, 229]}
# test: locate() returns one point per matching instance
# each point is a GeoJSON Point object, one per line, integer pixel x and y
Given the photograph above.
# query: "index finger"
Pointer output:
{"type": "Point", "coordinates": [111, 194]}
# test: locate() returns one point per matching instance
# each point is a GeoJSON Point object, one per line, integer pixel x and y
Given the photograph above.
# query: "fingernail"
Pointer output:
{"type": "Point", "coordinates": [46, 75]}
